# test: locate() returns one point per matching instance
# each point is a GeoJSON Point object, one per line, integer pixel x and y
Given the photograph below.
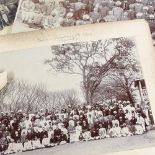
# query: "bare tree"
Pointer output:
{"type": "Point", "coordinates": [25, 96]}
{"type": "Point", "coordinates": [21, 95]}
{"type": "Point", "coordinates": [63, 99]}
{"type": "Point", "coordinates": [70, 98]}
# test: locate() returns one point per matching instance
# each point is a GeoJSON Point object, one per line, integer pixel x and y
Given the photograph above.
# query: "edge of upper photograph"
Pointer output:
{"type": "Point", "coordinates": [43, 14]}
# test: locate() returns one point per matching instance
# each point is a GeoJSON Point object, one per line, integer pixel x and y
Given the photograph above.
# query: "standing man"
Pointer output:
{"type": "Point", "coordinates": [131, 13]}
{"type": "Point", "coordinates": [118, 11]}
{"type": "Point", "coordinates": [145, 12]}
{"type": "Point", "coordinates": [27, 8]}
{"type": "Point", "coordinates": [125, 5]}
{"type": "Point", "coordinates": [95, 16]}
{"type": "Point", "coordinates": [103, 9]}
{"type": "Point", "coordinates": [4, 14]}
{"type": "Point", "coordinates": [138, 6]}
{"type": "Point", "coordinates": [78, 6]}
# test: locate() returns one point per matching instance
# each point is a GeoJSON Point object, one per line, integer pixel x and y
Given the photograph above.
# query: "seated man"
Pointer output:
{"type": "Point", "coordinates": [125, 131]}
{"type": "Point", "coordinates": [132, 123]}
{"type": "Point", "coordinates": [139, 129]}
{"type": "Point", "coordinates": [115, 131]}
{"type": "Point", "coordinates": [36, 143]}
{"type": "Point", "coordinates": [102, 131]}
{"type": "Point", "coordinates": [81, 138]}
{"type": "Point", "coordinates": [64, 138]}
{"type": "Point", "coordinates": [68, 21]}
{"type": "Point", "coordinates": [57, 135]}
{"type": "Point", "coordinates": [141, 122]}
{"type": "Point", "coordinates": [94, 133]}
{"type": "Point", "coordinates": [110, 17]}
{"type": "Point", "coordinates": [3, 144]}
{"type": "Point", "coordinates": [87, 135]}
{"type": "Point", "coordinates": [95, 16]}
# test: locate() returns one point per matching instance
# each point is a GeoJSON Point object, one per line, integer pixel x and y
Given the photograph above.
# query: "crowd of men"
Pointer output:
{"type": "Point", "coordinates": [51, 13]}
{"type": "Point", "coordinates": [7, 12]}
{"type": "Point", "coordinates": [21, 132]}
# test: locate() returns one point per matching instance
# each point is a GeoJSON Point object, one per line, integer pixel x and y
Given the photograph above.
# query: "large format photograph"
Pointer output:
{"type": "Point", "coordinates": [8, 10]}
{"type": "Point", "coordinates": [84, 98]}
{"type": "Point", "coordinates": [42, 14]}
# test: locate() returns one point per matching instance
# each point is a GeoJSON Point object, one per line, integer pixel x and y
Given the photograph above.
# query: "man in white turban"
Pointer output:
{"type": "Point", "coordinates": [117, 10]}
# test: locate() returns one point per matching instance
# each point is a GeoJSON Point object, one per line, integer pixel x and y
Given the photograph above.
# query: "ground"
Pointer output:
{"type": "Point", "coordinates": [6, 30]}
{"type": "Point", "coordinates": [21, 27]}
{"type": "Point", "coordinates": [99, 146]}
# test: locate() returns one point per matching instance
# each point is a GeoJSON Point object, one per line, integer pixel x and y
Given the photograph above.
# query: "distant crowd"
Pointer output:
{"type": "Point", "coordinates": [22, 132]}
{"type": "Point", "coordinates": [8, 10]}
{"type": "Point", "coordinates": [55, 13]}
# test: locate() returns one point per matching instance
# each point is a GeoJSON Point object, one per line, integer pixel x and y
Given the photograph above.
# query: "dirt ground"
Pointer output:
{"type": "Point", "coordinates": [99, 146]}
{"type": "Point", "coordinates": [21, 27]}
{"type": "Point", "coordinates": [6, 30]}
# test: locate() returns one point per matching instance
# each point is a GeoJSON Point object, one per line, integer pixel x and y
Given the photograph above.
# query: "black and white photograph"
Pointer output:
{"type": "Point", "coordinates": [86, 98]}
{"type": "Point", "coordinates": [8, 10]}
{"type": "Point", "coordinates": [43, 14]}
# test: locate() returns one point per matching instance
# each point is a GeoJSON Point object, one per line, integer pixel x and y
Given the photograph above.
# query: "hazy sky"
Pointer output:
{"type": "Point", "coordinates": [29, 65]}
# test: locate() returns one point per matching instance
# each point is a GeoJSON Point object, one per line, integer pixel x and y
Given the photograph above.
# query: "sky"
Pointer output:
{"type": "Point", "coordinates": [29, 65]}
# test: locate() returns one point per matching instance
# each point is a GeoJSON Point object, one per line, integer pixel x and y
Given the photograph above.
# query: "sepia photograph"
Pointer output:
{"type": "Point", "coordinates": [86, 98]}
{"type": "Point", "coordinates": [8, 10]}
{"type": "Point", "coordinates": [43, 14]}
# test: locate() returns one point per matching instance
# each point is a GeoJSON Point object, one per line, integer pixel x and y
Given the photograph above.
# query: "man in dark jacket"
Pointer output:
{"type": "Point", "coordinates": [57, 135]}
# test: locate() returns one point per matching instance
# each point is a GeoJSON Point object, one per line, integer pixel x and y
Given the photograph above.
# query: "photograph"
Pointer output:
{"type": "Point", "coordinates": [8, 10]}
{"type": "Point", "coordinates": [43, 14]}
{"type": "Point", "coordinates": [82, 97]}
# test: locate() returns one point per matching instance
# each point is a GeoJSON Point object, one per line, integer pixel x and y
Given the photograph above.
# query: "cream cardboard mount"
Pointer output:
{"type": "Point", "coordinates": [66, 60]}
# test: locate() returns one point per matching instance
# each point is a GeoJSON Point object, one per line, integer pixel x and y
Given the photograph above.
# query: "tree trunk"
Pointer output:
{"type": "Point", "coordinates": [130, 97]}
{"type": "Point", "coordinates": [91, 98]}
{"type": "Point", "coordinates": [85, 87]}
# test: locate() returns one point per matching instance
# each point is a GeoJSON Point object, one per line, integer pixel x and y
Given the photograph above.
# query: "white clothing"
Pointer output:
{"type": "Point", "coordinates": [102, 132]}
{"type": "Point", "coordinates": [87, 135]}
{"type": "Point", "coordinates": [36, 144]}
{"type": "Point", "coordinates": [46, 142]}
